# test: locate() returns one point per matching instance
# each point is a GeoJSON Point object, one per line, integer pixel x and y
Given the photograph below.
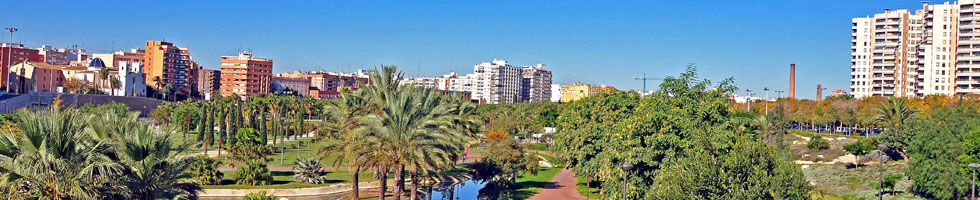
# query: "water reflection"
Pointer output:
{"type": "Point", "coordinates": [465, 190]}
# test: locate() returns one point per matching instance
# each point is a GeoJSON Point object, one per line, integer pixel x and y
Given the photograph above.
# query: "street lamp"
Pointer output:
{"type": "Point", "coordinates": [10, 49]}
{"type": "Point", "coordinates": [881, 167]}
{"type": "Point", "coordinates": [626, 166]}
{"type": "Point", "coordinates": [748, 100]}
{"type": "Point", "coordinates": [973, 189]}
{"type": "Point", "coordinates": [767, 99]}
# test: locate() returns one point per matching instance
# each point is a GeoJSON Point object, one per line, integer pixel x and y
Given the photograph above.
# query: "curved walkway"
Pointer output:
{"type": "Point", "coordinates": [560, 187]}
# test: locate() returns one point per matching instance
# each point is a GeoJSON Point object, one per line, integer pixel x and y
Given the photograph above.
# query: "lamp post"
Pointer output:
{"type": "Point", "coordinates": [767, 99]}
{"type": "Point", "coordinates": [748, 100]}
{"type": "Point", "coordinates": [881, 167]}
{"type": "Point", "coordinates": [973, 189]}
{"type": "Point", "coordinates": [10, 50]}
{"type": "Point", "coordinates": [626, 166]}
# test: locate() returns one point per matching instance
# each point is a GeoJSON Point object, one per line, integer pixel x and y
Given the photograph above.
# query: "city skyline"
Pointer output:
{"type": "Point", "coordinates": [625, 39]}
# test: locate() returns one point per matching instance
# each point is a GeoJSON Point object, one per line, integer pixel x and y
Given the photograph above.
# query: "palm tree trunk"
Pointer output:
{"type": "Point", "coordinates": [399, 181]}
{"type": "Point", "coordinates": [415, 185]}
{"type": "Point", "coordinates": [354, 186]}
{"type": "Point", "coordinates": [384, 184]}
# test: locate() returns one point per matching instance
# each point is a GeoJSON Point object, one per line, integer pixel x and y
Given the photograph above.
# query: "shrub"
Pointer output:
{"type": "Point", "coordinates": [817, 143]}
{"type": "Point", "coordinates": [259, 196]}
{"type": "Point", "coordinates": [205, 169]}
{"type": "Point", "coordinates": [309, 170]}
{"type": "Point", "coordinates": [254, 173]}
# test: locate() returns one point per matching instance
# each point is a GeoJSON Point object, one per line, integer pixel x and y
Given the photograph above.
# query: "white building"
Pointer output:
{"type": "Point", "coordinates": [555, 93]}
{"type": "Point", "coordinates": [496, 82]}
{"type": "Point", "coordinates": [933, 50]}
{"type": "Point", "coordinates": [132, 80]}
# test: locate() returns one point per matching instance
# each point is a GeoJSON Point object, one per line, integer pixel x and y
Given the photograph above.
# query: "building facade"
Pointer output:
{"type": "Point", "coordinates": [35, 77]}
{"type": "Point", "coordinates": [536, 83]}
{"type": "Point", "coordinates": [291, 86]}
{"type": "Point", "coordinates": [245, 74]}
{"type": "Point", "coordinates": [933, 50]}
{"type": "Point", "coordinates": [113, 60]}
{"type": "Point", "coordinates": [12, 54]}
{"type": "Point", "coordinates": [577, 91]}
{"type": "Point", "coordinates": [494, 82]}
{"type": "Point", "coordinates": [208, 81]}
{"type": "Point", "coordinates": [165, 64]}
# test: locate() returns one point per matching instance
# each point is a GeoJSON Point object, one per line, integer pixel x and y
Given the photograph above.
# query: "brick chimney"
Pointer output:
{"type": "Point", "coordinates": [792, 81]}
{"type": "Point", "coordinates": [819, 93]}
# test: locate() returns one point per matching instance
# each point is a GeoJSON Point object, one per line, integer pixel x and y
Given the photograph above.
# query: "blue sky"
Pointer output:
{"type": "Point", "coordinates": [597, 42]}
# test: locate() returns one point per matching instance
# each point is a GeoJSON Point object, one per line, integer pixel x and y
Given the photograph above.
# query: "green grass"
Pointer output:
{"type": "Point", "coordinates": [593, 192]}
{"type": "Point", "coordinates": [537, 146]}
{"type": "Point", "coordinates": [281, 180]}
{"type": "Point", "coordinates": [532, 184]}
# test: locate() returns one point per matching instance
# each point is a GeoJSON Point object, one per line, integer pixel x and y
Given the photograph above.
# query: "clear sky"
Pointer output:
{"type": "Point", "coordinates": [597, 42]}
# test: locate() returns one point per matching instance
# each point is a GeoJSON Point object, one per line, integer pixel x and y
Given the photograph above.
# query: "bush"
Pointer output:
{"type": "Point", "coordinates": [309, 170]}
{"type": "Point", "coordinates": [817, 143]}
{"type": "Point", "coordinates": [254, 173]}
{"type": "Point", "coordinates": [205, 169]}
{"type": "Point", "coordinates": [259, 196]}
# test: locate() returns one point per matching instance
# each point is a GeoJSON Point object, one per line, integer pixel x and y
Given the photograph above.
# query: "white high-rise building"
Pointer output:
{"type": "Point", "coordinates": [933, 50]}
{"type": "Point", "coordinates": [495, 82]}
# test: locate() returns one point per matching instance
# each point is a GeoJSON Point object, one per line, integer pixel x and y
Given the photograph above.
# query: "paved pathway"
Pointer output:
{"type": "Point", "coordinates": [560, 187]}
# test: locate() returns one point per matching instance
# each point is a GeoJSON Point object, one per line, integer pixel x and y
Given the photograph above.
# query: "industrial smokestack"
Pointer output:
{"type": "Point", "coordinates": [792, 81]}
{"type": "Point", "coordinates": [819, 93]}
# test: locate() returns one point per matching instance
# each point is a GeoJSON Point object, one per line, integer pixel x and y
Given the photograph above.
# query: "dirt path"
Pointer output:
{"type": "Point", "coordinates": [560, 187]}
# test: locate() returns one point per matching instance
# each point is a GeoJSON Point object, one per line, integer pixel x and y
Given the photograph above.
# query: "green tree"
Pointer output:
{"type": "Point", "coordinates": [859, 148]}
{"type": "Point", "coordinates": [260, 196]}
{"type": "Point", "coordinates": [817, 143]}
{"type": "Point", "coordinates": [896, 115]}
{"type": "Point", "coordinates": [749, 171]}
{"type": "Point", "coordinates": [253, 173]}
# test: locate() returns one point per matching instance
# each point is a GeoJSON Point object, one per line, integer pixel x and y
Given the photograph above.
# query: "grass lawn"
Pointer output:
{"type": "Point", "coordinates": [532, 184]}
{"type": "Point", "coordinates": [285, 180]}
{"type": "Point", "coordinates": [840, 182]}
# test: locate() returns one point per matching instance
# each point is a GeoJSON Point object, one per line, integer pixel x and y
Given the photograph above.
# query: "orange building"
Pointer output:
{"type": "Point", "coordinates": [167, 64]}
{"type": "Point", "coordinates": [245, 75]}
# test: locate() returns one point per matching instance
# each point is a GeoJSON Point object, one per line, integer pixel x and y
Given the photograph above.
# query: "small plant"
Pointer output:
{"type": "Point", "coordinates": [259, 196]}
{"type": "Point", "coordinates": [205, 169]}
{"type": "Point", "coordinates": [889, 182]}
{"type": "Point", "coordinates": [817, 143]}
{"type": "Point", "coordinates": [309, 170]}
{"type": "Point", "coordinates": [254, 173]}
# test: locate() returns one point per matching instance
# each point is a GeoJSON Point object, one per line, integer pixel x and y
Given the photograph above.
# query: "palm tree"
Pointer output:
{"type": "Point", "coordinates": [114, 83]}
{"type": "Point", "coordinates": [152, 166]}
{"type": "Point", "coordinates": [346, 112]}
{"type": "Point", "coordinates": [158, 84]}
{"type": "Point", "coordinates": [895, 112]}
{"type": "Point", "coordinates": [54, 156]}
{"type": "Point", "coordinates": [103, 75]}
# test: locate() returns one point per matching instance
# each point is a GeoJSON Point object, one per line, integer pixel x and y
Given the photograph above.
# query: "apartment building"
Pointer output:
{"type": "Point", "coordinates": [12, 54]}
{"type": "Point", "coordinates": [165, 64]}
{"type": "Point", "coordinates": [245, 74]}
{"type": "Point", "coordinates": [208, 81]}
{"type": "Point", "coordinates": [325, 84]}
{"type": "Point", "coordinates": [578, 91]}
{"type": "Point", "coordinates": [933, 50]}
{"type": "Point", "coordinates": [536, 83]}
{"type": "Point", "coordinates": [494, 82]}
{"type": "Point", "coordinates": [291, 86]}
